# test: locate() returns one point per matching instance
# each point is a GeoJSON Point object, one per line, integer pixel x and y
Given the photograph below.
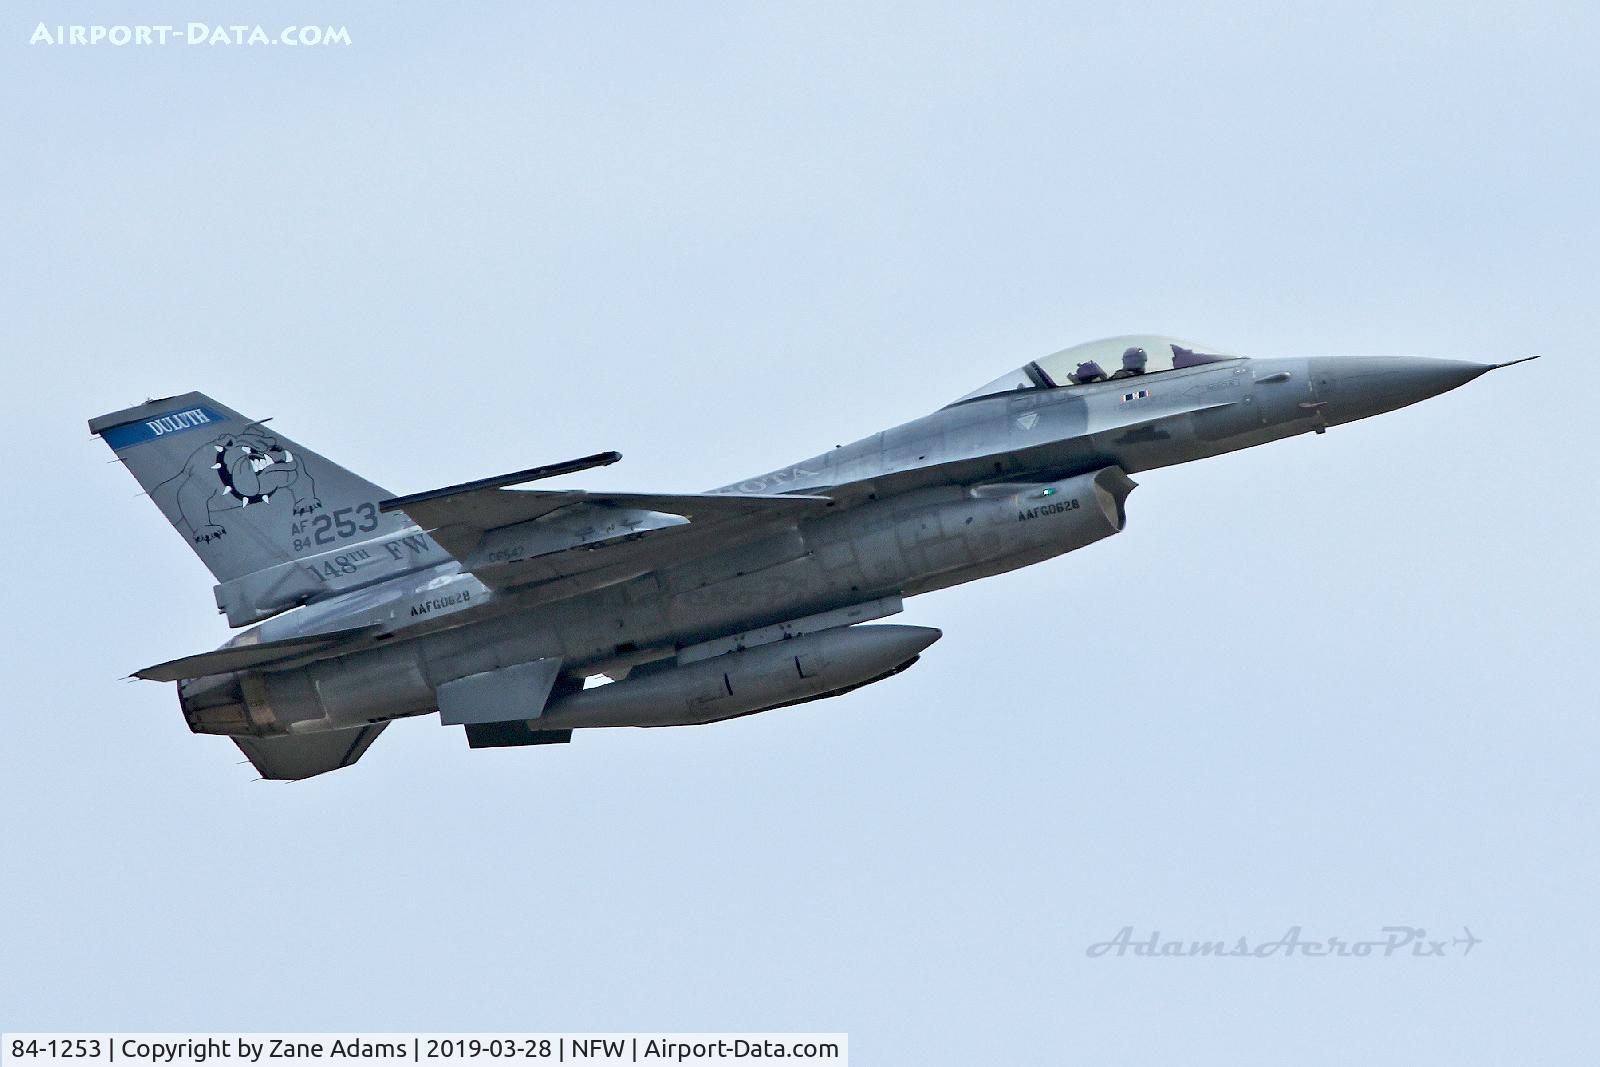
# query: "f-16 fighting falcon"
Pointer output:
{"type": "Point", "coordinates": [499, 607]}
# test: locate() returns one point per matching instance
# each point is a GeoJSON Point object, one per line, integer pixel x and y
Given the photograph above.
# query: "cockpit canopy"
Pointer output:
{"type": "Point", "coordinates": [1097, 361]}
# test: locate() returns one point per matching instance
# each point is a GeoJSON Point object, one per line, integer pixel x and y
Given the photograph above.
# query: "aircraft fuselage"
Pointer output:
{"type": "Point", "coordinates": [978, 488]}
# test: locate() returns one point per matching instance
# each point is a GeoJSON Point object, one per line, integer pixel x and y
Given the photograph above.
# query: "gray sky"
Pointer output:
{"type": "Point", "coordinates": [1340, 682]}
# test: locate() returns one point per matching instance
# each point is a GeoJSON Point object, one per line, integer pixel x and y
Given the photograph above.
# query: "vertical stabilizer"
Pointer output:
{"type": "Point", "coordinates": [244, 497]}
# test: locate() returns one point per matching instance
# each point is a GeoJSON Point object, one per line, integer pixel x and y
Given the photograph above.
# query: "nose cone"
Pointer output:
{"type": "Point", "coordinates": [1355, 387]}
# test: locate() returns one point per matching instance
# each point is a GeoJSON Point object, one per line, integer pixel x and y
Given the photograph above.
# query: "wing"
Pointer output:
{"type": "Point", "coordinates": [298, 756]}
{"type": "Point", "coordinates": [574, 540]}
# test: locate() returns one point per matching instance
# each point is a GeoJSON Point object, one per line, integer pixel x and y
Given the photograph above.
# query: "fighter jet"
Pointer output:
{"type": "Point", "coordinates": [523, 615]}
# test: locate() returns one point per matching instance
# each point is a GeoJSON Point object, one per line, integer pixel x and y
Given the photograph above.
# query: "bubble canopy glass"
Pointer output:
{"type": "Point", "coordinates": [1132, 356]}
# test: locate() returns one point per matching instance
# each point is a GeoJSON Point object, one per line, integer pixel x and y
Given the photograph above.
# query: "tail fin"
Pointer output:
{"type": "Point", "coordinates": [245, 498]}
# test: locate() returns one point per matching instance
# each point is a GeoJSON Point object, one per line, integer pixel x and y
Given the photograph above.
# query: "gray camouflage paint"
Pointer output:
{"type": "Point", "coordinates": [980, 487]}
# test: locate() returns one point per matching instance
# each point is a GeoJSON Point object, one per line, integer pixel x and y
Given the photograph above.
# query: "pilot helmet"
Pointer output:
{"type": "Point", "coordinates": [1134, 359]}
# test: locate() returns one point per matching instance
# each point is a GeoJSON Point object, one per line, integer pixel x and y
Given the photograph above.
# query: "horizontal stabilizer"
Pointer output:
{"type": "Point", "coordinates": [296, 756]}
{"type": "Point", "coordinates": [261, 656]}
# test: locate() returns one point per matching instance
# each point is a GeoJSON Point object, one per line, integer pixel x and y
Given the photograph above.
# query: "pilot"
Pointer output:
{"type": "Point", "coordinates": [1087, 372]}
{"type": "Point", "coordinates": [1133, 362]}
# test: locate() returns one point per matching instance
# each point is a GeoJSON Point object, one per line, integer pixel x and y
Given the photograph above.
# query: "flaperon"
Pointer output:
{"type": "Point", "coordinates": [493, 605]}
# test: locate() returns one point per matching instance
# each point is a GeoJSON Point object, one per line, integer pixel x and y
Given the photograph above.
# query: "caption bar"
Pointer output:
{"type": "Point", "coordinates": [413, 1050]}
